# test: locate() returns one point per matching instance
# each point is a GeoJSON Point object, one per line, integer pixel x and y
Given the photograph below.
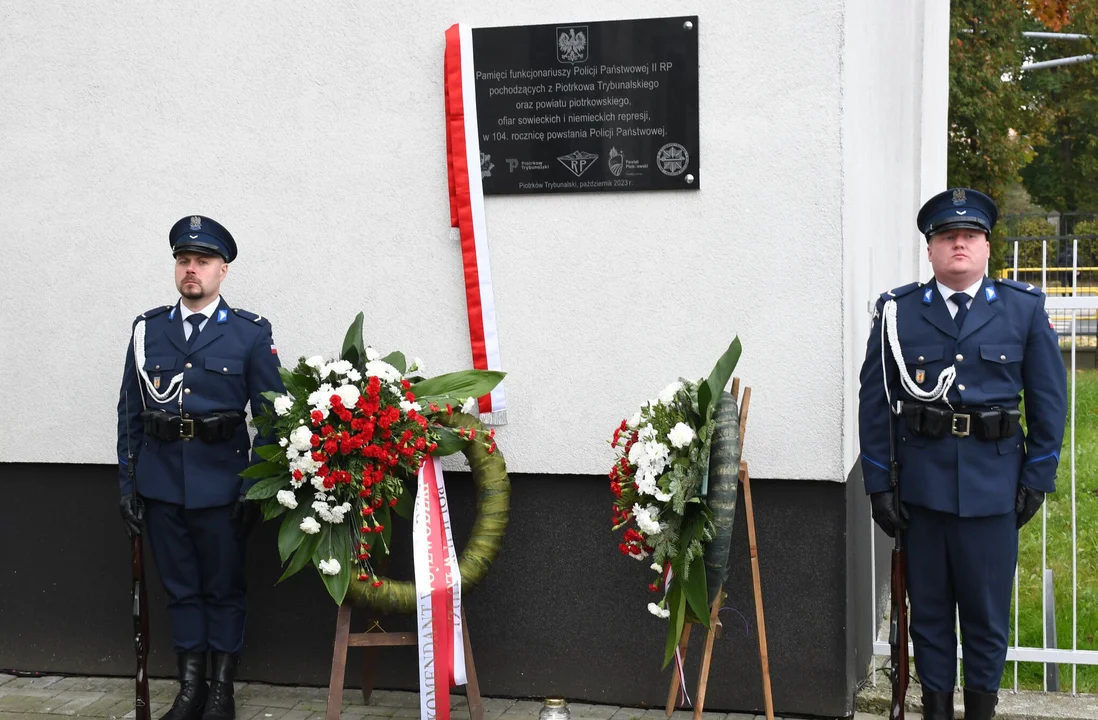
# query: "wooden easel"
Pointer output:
{"type": "Point", "coordinates": [344, 639]}
{"type": "Point", "coordinates": [714, 622]}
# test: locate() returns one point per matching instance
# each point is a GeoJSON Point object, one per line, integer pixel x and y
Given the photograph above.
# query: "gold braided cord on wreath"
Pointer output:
{"type": "Point", "coordinates": [489, 471]}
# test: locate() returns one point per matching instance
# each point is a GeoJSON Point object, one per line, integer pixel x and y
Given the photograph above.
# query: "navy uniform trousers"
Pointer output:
{"type": "Point", "coordinates": [201, 564]}
{"type": "Point", "coordinates": [960, 491]}
{"type": "Point", "coordinates": [189, 487]}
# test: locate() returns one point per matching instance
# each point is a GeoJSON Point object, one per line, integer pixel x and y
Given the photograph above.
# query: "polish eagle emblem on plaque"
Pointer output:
{"type": "Point", "coordinates": [572, 44]}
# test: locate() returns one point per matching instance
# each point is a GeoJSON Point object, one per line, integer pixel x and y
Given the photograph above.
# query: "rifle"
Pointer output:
{"type": "Point", "coordinates": [897, 633]}
{"type": "Point", "coordinates": [140, 601]}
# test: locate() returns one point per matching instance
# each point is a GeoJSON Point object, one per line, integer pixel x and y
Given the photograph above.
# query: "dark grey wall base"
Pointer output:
{"type": "Point", "coordinates": [562, 612]}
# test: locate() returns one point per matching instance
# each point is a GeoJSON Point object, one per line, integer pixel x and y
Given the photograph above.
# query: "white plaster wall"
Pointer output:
{"type": "Point", "coordinates": [314, 131]}
{"type": "Point", "coordinates": [894, 123]}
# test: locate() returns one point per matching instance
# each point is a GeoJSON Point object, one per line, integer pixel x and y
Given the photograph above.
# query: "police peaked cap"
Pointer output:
{"type": "Point", "coordinates": [200, 234]}
{"type": "Point", "coordinates": [957, 208]}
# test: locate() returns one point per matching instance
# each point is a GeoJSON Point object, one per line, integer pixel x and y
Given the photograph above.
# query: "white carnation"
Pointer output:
{"type": "Point", "coordinates": [647, 433]}
{"type": "Point", "coordinates": [372, 355]}
{"type": "Point", "coordinates": [681, 435]}
{"type": "Point", "coordinates": [407, 407]}
{"type": "Point", "coordinates": [658, 611]}
{"type": "Point", "coordinates": [301, 438]}
{"type": "Point", "coordinates": [634, 421]}
{"type": "Point", "coordinates": [657, 568]}
{"type": "Point", "coordinates": [417, 366]}
{"type": "Point", "coordinates": [316, 362]}
{"type": "Point", "coordinates": [287, 498]}
{"type": "Point", "coordinates": [647, 518]}
{"type": "Point", "coordinates": [349, 394]}
{"type": "Point", "coordinates": [339, 511]}
{"type": "Point", "coordinates": [339, 367]}
{"type": "Point", "coordinates": [354, 375]}
{"type": "Point", "coordinates": [282, 404]}
{"type": "Point", "coordinates": [309, 526]}
{"type": "Point", "coordinates": [321, 398]}
{"type": "Point", "coordinates": [330, 566]}
{"type": "Point", "coordinates": [669, 392]}
{"type": "Point", "coordinates": [469, 407]}
{"type": "Point", "coordinates": [283, 442]}
{"type": "Point", "coordinates": [382, 370]}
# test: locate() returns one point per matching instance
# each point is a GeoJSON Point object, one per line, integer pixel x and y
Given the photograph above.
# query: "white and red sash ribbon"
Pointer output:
{"type": "Point", "coordinates": [467, 212]}
{"type": "Point", "coordinates": [438, 595]}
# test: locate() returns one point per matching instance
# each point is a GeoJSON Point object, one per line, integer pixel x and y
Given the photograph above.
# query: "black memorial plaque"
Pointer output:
{"type": "Point", "coordinates": [588, 106]}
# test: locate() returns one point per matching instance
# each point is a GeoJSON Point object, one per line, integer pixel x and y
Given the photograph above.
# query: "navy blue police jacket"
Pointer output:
{"type": "Point", "coordinates": [232, 362]}
{"type": "Point", "coordinates": [1006, 347]}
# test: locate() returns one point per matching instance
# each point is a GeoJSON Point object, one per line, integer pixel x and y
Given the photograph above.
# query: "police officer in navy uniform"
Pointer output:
{"type": "Point", "coordinates": [191, 369]}
{"type": "Point", "coordinates": [957, 353]}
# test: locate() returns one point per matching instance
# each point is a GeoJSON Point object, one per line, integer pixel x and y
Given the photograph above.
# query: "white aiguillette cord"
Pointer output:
{"type": "Point", "coordinates": [945, 379]}
{"type": "Point", "coordinates": [173, 389]}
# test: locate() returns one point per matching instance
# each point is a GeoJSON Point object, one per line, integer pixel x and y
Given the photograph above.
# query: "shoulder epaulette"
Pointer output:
{"type": "Point", "coordinates": [257, 319]}
{"type": "Point", "coordinates": [153, 313]}
{"type": "Point", "coordinates": [1021, 286]}
{"type": "Point", "coordinates": [901, 291]}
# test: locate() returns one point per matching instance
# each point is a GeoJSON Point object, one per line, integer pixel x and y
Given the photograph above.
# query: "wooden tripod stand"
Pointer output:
{"type": "Point", "coordinates": [344, 639]}
{"type": "Point", "coordinates": [714, 621]}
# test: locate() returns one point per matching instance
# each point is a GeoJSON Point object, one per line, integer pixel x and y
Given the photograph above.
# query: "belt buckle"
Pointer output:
{"type": "Point", "coordinates": [186, 429]}
{"type": "Point", "coordinates": [967, 424]}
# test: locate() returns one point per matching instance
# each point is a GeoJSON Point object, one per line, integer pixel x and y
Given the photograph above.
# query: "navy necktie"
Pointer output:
{"type": "Point", "coordinates": [961, 301]}
{"type": "Point", "coordinates": [195, 321]}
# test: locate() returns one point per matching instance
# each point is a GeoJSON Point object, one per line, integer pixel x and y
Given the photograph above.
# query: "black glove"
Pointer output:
{"type": "Point", "coordinates": [245, 514]}
{"type": "Point", "coordinates": [1027, 504]}
{"type": "Point", "coordinates": [133, 513]}
{"type": "Point", "coordinates": [885, 513]}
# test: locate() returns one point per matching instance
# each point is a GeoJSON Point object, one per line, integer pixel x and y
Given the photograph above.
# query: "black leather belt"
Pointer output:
{"type": "Point", "coordinates": [212, 428]}
{"type": "Point", "coordinates": [935, 421]}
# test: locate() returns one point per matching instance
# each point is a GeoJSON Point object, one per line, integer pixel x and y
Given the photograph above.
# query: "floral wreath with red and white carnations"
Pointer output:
{"type": "Point", "coordinates": [349, 435]}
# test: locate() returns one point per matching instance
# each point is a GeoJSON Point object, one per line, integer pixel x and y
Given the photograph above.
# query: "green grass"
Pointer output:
{"type": "Point", "coordinates": [1058, 528]}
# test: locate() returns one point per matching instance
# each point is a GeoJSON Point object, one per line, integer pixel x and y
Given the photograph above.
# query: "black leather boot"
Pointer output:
{"type": "Point", "coordinates": [937, 705]}
{"type": "Point", "coordinates": [221, 705]}
{"type": "Point", "coordinates": [192, 688]}
{"type": "Point", "coordinates": [980, 705]}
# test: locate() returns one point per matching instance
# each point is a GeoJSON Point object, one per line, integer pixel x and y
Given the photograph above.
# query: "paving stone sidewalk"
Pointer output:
{"type": "Point", "coordinates": [46, 697]}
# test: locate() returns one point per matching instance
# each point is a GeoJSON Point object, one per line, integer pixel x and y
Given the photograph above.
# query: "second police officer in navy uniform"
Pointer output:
{"type": "Point", "coordinates": [191, 368]}
{"type": "Point", "coordinates": [952, 356]}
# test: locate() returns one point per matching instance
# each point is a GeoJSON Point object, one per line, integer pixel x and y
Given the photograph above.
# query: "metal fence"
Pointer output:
{"type": "Point", "coordinates": [1065, 266]}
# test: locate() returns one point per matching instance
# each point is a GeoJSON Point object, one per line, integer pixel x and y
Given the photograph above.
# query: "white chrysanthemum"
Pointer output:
{"type": "Point", "coordinates": [282, 404]}
{"type": "Point", "coordinates": [634, 421]}
{"type": "Point", "coordinates": [315, 362]}
{"type": "Point", "coordinates": [371, 355]}
{"type": "Point", "coordinates": [382, 370]}
{"type": "Point", "coordinates": [647, 518]}
{"type": "Point", "coordinates": [339, 367]}
{"type": "Point", "coordinates": [318, 483]}
{"type": "Point", "coordinates": [407, 407]}
{"type": "Point", "coordinates": [309, 526]}
{"type": "Point", "coordinates": [330, 566]}
{"type": "Point", "coordinates": [349, 394]}
{"type": "Point", "coordinates": [668, 393]}
{"type": "Point", "coordinates": [681, 435]}
{"type": "Point", "coordinates": [470, 405]}
{"type": "Point", "coordinates": [287, 498]}
{"type": "Point", "coordinates": [301, 438]}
